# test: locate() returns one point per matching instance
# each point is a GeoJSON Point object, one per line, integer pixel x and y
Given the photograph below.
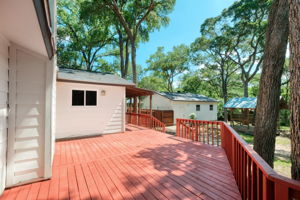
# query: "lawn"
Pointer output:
{"type": "Point", "coordinates": [282, 162]}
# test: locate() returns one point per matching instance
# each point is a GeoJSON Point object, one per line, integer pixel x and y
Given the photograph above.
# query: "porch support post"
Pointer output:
{"type": "Point", "coordinates": [130, 105]}
{"type": "Point", "coordinates": [150, 105]}
{"type": "Point", "coordinates": [139, 106]}
{"type": "Point", "coordinates": [135, 104]}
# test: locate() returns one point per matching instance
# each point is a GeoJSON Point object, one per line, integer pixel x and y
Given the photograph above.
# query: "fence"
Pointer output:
{"type": "Point", "coordinates": [165, 116]}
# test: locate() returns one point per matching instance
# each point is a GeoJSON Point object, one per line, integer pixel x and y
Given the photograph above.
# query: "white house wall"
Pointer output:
{"type": "Point", "coordinates": [158, 103]}
{"type": "Point", "coordinates": [76, 121]}
{"type": "Point", "coordinates": [3, 108]}
{"type": "Point", "coordinates": [183, 109]}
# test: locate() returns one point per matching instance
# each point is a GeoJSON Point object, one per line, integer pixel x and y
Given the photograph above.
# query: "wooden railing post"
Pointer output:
{"type": "Point", "coordinates": [223, 135]}
{"type": "Point", "coordinates": [281, 191]}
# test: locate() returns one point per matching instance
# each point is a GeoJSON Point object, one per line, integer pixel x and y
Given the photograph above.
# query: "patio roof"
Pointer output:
{"type": "Point", "coordinates": [241, 103]}
{"type": "Point", "coordinates": [137, 92]}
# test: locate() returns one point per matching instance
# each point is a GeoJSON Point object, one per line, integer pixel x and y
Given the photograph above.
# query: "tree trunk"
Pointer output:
{"type": "Point", "coordinates": [133, 61]}
{"type": "Point", "coordinates": [246, 90]}
{"type": "Point", "coordinates": [270, 81]}
{"type": "Point", "coordinates": [121, 51]}
{"type": "Point", "coordinates": [126, 57]}
{"type": "Point", "coordinates": [225, 98]}
{"type": "Point", "coordinates": [294, 25]}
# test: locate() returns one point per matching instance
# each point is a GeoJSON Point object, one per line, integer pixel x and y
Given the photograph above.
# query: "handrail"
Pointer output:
{"type": "Point", "coordinates": [145, 121]}
{"type": "Point", "coordinates": [254, 177]}
{"type": "Point", "coordinates": [207, 132]}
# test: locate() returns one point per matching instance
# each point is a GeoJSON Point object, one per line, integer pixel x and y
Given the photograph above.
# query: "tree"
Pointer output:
{"type": "Point", "coordinates": [294, 33]}
{"type": "Point", "coordinates": [267, 109]}
{"type": "Point", "coordinates": [80, 41]}
{"type": "Point", "coordinates": [138, 18]}
{"type": "Point", "coordinates": [212, 49]}
{"type": "Point", "coordinates": [123, 44]}
{"type": "Point", "coordinates": [244, 23]}
{"type": "Point", "coordinates": [152, 83]}
{"type": "Point", "coordinates": [169, 65]}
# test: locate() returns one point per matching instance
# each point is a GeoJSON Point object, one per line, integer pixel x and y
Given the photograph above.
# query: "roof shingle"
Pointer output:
{"type": "Point", "coordinates": [67, 74]}
{"type": "Point", "coordinates": [176, 96]}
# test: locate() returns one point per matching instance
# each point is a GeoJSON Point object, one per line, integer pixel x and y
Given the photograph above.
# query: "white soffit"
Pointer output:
{"type": "Point", "coordinates": [19, 24]}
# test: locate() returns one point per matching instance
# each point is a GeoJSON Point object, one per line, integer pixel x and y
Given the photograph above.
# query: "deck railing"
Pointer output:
{"type": "Point", "coordinates": [145, 120]}
{"type": "Point", "coordinates": [208, 132]}
{"type": "Point", "coordinates": [254, 177]}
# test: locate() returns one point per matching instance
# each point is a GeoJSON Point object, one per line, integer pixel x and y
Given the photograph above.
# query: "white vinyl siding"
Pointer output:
{"type": "Point", "coordinates": [26, 151]}
{"type": "Point", "coordinates": [79, 121]}
{"type": "Point", "coordinates": [183, 109]}
{"type": "Point", "coordinates": [3, 109]}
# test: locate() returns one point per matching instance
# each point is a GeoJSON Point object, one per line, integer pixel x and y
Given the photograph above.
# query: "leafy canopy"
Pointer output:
{"type": "Point", "coordinates": [169, 65]}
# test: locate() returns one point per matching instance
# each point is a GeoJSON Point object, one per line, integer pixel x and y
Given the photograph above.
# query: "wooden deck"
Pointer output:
{"type": "Point", "coordinates": [138, 164]}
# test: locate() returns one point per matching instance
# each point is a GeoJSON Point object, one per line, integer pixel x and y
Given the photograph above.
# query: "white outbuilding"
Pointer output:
{"type": "Point", "coordinates": [184, 104]}
{"type": "Point", "coordinates": [89, 103]}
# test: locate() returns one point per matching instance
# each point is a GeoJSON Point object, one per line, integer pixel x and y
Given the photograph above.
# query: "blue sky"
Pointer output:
{"type": "Point", "coordinates": [184, 26]}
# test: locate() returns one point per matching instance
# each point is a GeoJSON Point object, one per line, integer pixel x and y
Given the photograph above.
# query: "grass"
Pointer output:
{"type": "Point", "coordinates": [248, 138]}
{"type": "Point", "coordinates": [283, 167]}
{"type": "Point", "coordinates": [285, 128]}
{"type": "Point", "coordinates": [282, 162]}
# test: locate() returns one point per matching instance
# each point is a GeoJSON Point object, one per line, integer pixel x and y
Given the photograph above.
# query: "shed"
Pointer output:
{"type": "Point", "coordinates": [89, 103]}
{"type": "Point", "coordinates": [183, 104]}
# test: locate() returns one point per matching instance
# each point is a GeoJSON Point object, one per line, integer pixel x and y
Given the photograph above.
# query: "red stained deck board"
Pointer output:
{"type": "Point", "coordinates": [138, 164]}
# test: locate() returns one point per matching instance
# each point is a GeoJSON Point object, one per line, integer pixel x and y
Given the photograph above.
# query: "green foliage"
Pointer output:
{"type": "Point", "coordinates": [152, 83]}
{"type": "Point", "coordinates": [169, 65]}
{"type": "Point", "coordinates": [192, 116]}
{"type": "Point", "coordinates": [80, 41]}
{"type": "Point", "coordinates": [136, 18]}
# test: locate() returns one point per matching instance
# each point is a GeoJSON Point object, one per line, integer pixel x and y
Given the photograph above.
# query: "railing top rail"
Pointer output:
{"type": "Point", "coordinates": [261, 163]}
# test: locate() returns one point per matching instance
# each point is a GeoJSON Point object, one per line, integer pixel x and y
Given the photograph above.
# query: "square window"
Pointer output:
{"type": "Point", "coordinates": [77, 98]}
{"type": "Point", "coordinates": [197, 107]}
{"type": "Point", "coordinates": [211, 107]}
{"type": "Point", "coordinates": [91, 98]}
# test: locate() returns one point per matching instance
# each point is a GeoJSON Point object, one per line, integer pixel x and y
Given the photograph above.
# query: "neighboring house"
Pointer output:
{"type": "Point", "coordinates": [89, 103]}
{"type": "Point", "coordinates": [183, 104]}
{"type": "Point", "coordinates": [27, 88]}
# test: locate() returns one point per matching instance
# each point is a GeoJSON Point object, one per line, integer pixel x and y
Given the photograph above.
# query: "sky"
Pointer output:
{"type": "Point", "coordinates": [184, 26]}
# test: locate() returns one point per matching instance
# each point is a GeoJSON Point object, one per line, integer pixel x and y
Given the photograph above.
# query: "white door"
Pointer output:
{"type": "Point", "coordinates": [26, 120]}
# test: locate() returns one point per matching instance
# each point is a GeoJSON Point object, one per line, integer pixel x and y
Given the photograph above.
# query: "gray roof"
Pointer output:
{"type": "Point", "coordinates": [176, 96]}
{"type": "Point", "coordinates": [75, 75]}
{"type": "Point", "coordinates": [241, 102]}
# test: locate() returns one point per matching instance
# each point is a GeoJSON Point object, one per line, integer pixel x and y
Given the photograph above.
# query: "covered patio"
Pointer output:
{"type": "Point", "coordinates": [135, 95]}
{"type": "Point", "coordinates": [130, 165]}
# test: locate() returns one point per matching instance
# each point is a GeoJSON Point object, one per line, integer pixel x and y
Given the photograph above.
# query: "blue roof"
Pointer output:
{"type": "Point", "coordinates": [241, 102]}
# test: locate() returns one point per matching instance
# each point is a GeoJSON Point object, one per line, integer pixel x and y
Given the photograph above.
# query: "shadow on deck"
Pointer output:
{"type": "Point", "coordinates": [137, 164]}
